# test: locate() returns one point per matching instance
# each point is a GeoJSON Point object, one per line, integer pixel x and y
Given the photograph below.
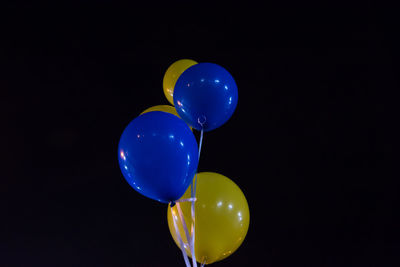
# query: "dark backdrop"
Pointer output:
{"type": "Point", "coordinates": [309, 143]}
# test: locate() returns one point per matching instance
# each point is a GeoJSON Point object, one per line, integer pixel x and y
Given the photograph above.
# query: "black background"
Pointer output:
{"type": "Point", "coordinates": [310, 144]}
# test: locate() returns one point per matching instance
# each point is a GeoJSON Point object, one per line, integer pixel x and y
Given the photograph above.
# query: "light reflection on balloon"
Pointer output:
{"type": "Point", "coordinates": [205, 90]}
{"type": "Point", "coordinates": [172, 74]}
{"type": "Point", "coordinates": [157, 165]}
{"type": "Point", "coordinates": [222, 217]}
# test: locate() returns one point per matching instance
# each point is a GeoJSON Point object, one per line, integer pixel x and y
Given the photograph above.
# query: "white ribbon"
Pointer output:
{"type": "Point", "coordinates": [192, 199]}
{"type": "Point", "coordinates": [193, 210]}
{"type": "Point", "coordinates": [190, 237]}
{"type": "Point", "coordinates": [182, 245]}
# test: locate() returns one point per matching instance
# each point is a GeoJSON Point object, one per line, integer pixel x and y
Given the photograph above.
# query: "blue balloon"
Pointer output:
{"type": "Point", "coordinates": [158, 155]}
{"type": "Point", "coordinates": [205, 96]}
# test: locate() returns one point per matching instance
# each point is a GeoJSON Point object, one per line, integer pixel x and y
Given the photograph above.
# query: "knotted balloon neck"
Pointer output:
{"type": "Point", "coordinates": [202, 120]}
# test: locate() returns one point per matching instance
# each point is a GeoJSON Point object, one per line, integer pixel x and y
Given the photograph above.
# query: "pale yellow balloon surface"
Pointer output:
{"type": "Point", "coordinates": [164, 108]}
{"type": "Point", "coordinates": [222, 217]}
{"type": "Point", "coordinates": [172, 74]}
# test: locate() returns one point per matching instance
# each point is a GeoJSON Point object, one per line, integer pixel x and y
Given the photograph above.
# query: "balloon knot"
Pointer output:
{"type": "Point", "coordinates": [202, 120]}
{"type": "Point", "coordinates": [172, 204]}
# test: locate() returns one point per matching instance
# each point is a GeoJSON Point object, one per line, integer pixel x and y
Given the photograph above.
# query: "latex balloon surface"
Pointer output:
{"type": "Point", "coordinates": [163, 108]}
{"type": "Point", "coordinates": [222, 217]}
{"type": "Point", "coordinates": [158, 155]}
{"type": "Point", "coordinates": [205, 96]}
{"type": "Point", "coordinates": [172, 74]}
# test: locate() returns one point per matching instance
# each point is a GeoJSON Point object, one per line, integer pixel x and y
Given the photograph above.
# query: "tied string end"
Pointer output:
{"type": "Point", "coordinates": [173, 203]}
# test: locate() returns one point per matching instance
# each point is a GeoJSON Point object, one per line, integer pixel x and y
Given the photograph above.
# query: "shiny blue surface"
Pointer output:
{"type": "Point", "coordinates": [158, 155]}
{"type": "Point", "coordinates": [205, 93]}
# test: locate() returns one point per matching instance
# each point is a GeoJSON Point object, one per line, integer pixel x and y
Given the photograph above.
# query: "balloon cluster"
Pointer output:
{"type": "Point", "coordinates": [208, 215]}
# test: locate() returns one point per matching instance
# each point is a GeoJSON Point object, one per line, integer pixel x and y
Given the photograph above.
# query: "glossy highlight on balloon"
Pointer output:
{"type": "Point", "coordinates": [158, 155]}
{"type": "Point", "coordinates": [205, 96]}
{"type": "Point", "coordinates": [172, 74]}
{"type": "Point", "coordinates": [222, 217]}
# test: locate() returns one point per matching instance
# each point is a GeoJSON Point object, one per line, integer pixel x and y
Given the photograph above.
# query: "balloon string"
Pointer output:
{"type": "Point", "coordinates": [189, 237]}
{"type": "Point", "coordinates": [185, 257]}
{"type": "Point", "coordinates": [193, 210]}
{"type": "Point", "coordinates": [201, 142]}
{"type": "Point", "coordinates": [192, 199]}
{"type": "Point", "coordinates": [184, 225]}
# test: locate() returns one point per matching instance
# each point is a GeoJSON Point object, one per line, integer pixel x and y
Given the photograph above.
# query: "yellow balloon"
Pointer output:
{"type": "Point", "coordinates": [164, 108]}
{"type": "Point", "coordinates": [172, 74]}
{"type": "Point", "coordinates": [221, 221]}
